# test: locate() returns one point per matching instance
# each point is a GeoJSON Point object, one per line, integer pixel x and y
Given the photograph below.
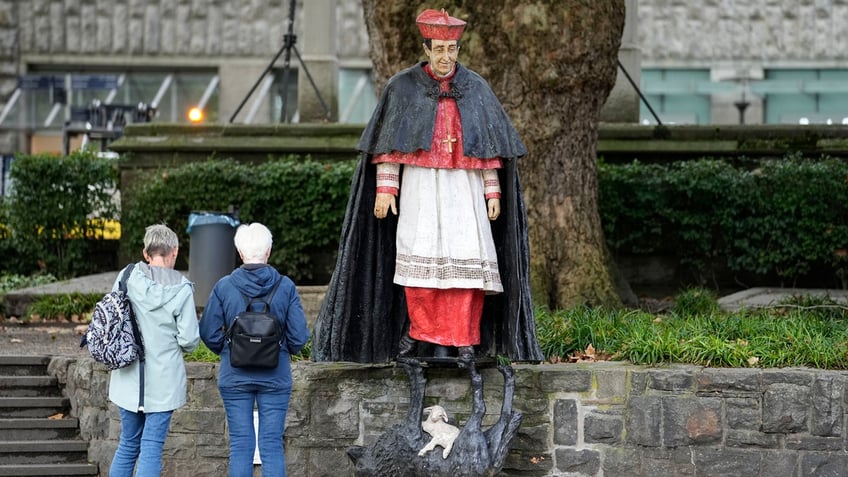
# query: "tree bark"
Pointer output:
{"type": "Point", "coordinates": [552, 64]}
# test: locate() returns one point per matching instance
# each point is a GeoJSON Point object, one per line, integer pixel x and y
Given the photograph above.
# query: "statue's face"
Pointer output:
{"type": "Point", "coordinates": [442, 55]}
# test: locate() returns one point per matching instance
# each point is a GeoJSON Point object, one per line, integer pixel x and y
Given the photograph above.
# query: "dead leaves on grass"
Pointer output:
{"type": "Point", "coordinates": [589, 355]}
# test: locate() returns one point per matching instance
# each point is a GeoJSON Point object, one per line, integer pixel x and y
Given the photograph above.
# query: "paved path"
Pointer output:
{"type": "Point", "coordinates": [42, 339]}
{"type": "Point", "coordinates": [765, 296]}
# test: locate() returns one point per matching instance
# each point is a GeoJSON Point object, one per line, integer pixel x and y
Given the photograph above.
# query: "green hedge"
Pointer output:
{"type": "Point", "coordinates": [774, 220]}
{"type": "Point", "coordinates": [786, 219]}
{"type": "Point", "coordinates": [57, 206]}
{"type": "Point", "coordinates": [301, 201]}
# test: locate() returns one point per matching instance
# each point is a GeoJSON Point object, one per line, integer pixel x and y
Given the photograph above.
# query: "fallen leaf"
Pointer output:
{"type": "Point", "coordinates": [57, 416]}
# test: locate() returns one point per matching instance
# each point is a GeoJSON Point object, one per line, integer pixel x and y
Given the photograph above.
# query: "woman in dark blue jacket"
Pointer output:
{"type": "Point", "coordinates": [242, 387]}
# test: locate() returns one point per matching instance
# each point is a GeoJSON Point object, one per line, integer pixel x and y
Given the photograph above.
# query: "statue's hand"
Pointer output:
{"type": "Point", "coordinates": [494, 208]}
{"type": "Point", "coordinates": [383, 203]}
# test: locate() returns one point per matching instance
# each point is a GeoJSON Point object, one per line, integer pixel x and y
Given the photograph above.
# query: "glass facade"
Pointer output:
{"type": "Point", "coordinates": [675, 95]}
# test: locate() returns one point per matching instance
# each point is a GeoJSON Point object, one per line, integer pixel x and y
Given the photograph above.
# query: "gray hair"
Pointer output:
{"type": "Point", "coordinates": [253, 242]}
{"type": "Point", "coordinates": [159, 240]}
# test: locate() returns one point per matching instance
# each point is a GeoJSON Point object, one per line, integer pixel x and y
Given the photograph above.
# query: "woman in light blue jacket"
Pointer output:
{"type": "Point", "coordinates": [163, 301]}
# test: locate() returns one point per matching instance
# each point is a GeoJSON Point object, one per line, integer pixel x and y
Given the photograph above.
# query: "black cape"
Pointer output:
{"type": "Point", "coordinates": [363, 315]}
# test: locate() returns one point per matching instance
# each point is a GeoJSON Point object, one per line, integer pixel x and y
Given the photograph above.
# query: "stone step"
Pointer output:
{"type": "Point", "coordinates": [29, 386]}
{"type": "Point", "coordinates": [24, 365]}
{"type": "Point", "coordinates": [48, 470]}
{"type": "Point", "coordinates": [38, 429]}
{"type": "Point", "coordinates": [43, 452]}
{"type": "Point", "coordinates": [32, 407]}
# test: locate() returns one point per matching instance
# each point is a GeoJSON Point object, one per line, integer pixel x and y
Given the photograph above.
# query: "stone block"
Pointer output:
{"type": "Point", "coordinates": [527, 464]}
{"type": "Point", "coordinates": [751, 439]}
{"type": "Point", "coordinates": [644, 415]}
{"type": "Point", "coordinates": [638, 383]}
{"type": "Point", "coordinates": [824, 464]}
{"type": "Point", "coordinates": [583, 461]}
{"type": "Point", "coordinates": [203, 394]}
{"type": "Point", "coordinates": [621, 462]}
{"type": "Point", "coordinates": [731, 382]}
{"type": "Point", "coordinates": [333, 416]}
{"type": "Point", "coordinates": [329, 462]}
{"type": "Point", "coordinates": [204, 468]}
{"type": "Point", "coordinates": [827, 412]}
{"type": "Point", "coordinates": [804, 442]}
{"type": "Point", "coordinates": [674, 379]}
{"type": "Point", "coordinates": [198, 370]}
{"type": "Point", "coordinates": [611, 385]}
{"type": "Point", "coordinates": [667, 463]}
{"type": "Point", "coordinates": [778, 463]}
{"type": "Point", "coordinates": [199, 420]}
{"type": "Point", "coordinates": [785, 408]}
{"type": "Point", "coordinates": [726, 462]}
{"type": "Point", "coordinates": [798, 377]}
{"type": "Point", "coordinates": [379, 417]}
{"type": "Point", "coordinates": [451, 388]}
{"type": "Point", "coordinates": [565, 422]}
{"type": "Point", "coordinates": [531, 438]}
{"type": "Point", "coordinates": [602, 427]}
{"type": "Point", "coordinates": [567, 380]}
{"type": "Point", "coordinates": [688, 421]}
{"type": "Point", "coordinates": [180, 446]}
{"type": "Point", "coordinates": [742, 413]}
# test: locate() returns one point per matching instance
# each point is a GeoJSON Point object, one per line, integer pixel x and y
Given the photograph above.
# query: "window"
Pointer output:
{"type": "Point", "coordinates": [357, 99]}
{"type": "Point", "coordinates": [804, 96]}
{"type": "Point", "coordinates": [47, 102]}
{"type": "Point", "coordinates": [677, 96]}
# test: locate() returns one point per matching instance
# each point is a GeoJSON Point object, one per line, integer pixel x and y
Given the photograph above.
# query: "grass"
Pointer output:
{"type": "Point", "coordinates": [803, 331]}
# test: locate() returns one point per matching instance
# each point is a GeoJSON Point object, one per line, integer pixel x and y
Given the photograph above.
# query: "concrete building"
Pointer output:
{"type": "Point", "coordinates": [76, 70]}
{"type": "Point", "coordinates": [751, 61]}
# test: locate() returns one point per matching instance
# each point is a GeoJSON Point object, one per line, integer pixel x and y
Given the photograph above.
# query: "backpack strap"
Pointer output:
{"type": "Point", "coordinates": [122, 286]}
{"type": "Point", "coordinates": [266, 300]}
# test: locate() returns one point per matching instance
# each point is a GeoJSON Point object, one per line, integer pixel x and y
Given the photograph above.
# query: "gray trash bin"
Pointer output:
{"type": "Point", "coordinates": [212, 253]}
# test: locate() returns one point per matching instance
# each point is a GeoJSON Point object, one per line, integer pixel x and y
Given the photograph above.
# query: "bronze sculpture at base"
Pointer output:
{"type": "Point", "coordinates": [474, 452]}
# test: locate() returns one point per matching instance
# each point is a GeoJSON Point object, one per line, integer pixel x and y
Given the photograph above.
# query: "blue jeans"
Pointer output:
{"type": "Point", "coordinates": [272, 404]}
{"type": "Point", "coordinates": [142, 438]}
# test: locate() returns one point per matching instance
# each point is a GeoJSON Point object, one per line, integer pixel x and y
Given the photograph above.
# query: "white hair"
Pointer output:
{"type": "Point", "coordinates": [253, 242]}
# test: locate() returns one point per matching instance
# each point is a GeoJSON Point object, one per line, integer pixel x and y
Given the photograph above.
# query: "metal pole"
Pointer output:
{"type": "Point", "coordinates": [639, 92]}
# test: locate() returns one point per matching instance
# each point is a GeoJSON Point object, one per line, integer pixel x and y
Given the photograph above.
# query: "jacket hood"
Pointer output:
{"type": "Point", "coordinates": [254, 280]}
{"type": "Point", "coordinates": [150, 288]}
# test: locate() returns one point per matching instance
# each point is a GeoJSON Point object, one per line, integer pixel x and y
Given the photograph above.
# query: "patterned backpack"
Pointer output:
{"type": "Point", "coordinates": [113, 337]}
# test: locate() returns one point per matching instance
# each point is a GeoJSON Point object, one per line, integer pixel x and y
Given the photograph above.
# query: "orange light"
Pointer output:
{"type": "Point", "coordinates": [195, 115]}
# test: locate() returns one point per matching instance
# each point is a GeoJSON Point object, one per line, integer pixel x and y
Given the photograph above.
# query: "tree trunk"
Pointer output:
{"type": "Point", "coordinates": [552, 64]}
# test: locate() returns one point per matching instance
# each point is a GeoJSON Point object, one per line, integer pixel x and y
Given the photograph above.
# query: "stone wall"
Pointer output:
{"type": "Point", "coordinates": [603, 419]}
{"type": "Point", "coordinates": [760, 31]}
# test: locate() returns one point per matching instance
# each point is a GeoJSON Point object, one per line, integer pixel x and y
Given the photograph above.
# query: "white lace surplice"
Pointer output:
{"type": "Point", "coordinates": [444, 239]}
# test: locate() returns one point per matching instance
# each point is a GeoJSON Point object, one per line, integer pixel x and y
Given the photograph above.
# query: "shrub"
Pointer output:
{"type": "Point", "coordinates": [63, 307]}
{"type": "Point", "coordinates": [785, 219]}
{"type": "Point", "coordinates": [48, 213]}
{"type": "Point", "coordinates": [301, 201]}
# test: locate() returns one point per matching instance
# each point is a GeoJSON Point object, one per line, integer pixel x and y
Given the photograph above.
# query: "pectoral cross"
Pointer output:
{"type": "Point", "coordinates": [450, 140]}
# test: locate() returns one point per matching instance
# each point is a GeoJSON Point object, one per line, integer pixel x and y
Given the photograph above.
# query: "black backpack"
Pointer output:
{"type": "Point", "coordinates": [255, 337]}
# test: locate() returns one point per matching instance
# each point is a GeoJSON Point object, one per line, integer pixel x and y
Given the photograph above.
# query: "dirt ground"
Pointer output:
{"type": "Point", "coordinates": [43, 339]}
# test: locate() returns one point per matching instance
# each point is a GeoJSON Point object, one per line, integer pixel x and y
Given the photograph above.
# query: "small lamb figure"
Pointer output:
{"type": "Point", "coordinates": [437, 426]}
